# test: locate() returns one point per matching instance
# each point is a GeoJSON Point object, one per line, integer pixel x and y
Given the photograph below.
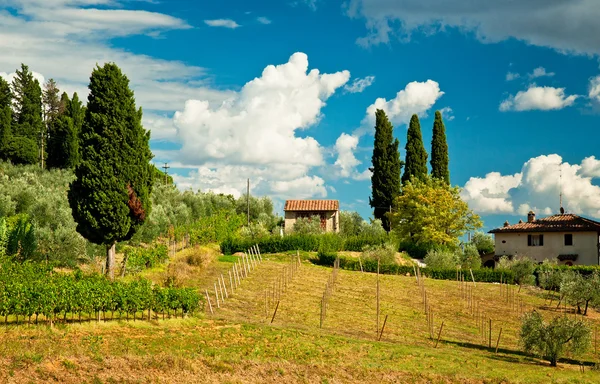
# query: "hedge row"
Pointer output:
{"type": "Point", "coordinates": [328, 242]}
{"type": "Point", "coordinates": [31, 290]}
{"type": "Point", "coordinates": [486, 275]}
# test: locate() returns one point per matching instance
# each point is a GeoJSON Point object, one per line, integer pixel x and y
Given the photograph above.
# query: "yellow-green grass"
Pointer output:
{"type": "Point", "coordinates": [239, 344]}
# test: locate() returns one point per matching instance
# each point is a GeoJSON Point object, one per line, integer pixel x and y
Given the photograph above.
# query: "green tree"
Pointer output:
{"type": "Point", "coordinates": [27, 102]}
{"type": "Point", "coordinates": [552, 339]}
{"type": "Point", "coordinates": [386, 169]}
{"type": "Point", "coordinates": [441, 259]}
{"type": "Point", "coordinates": [308, 226]}
{"type": "Point", "coordinates": [430, 212]}
{"type": "Point", "coordinates": [416, 156]}
{"type": "Point", "coordinates": [5, 118]}
{"type": "Point", "coordinates": [484, 243]}
{"type": "Point", "coordinates": [469, 257]}
{"type": "Point", "coordinates": [350, 223]}
{"type": "Point", "coordinates": [110, 197]}
{"type": "Point", "coordinates": [579, 290]}
{"type": "Point", "coordinates": [22, 150]}
{"type": "Point", "coordinates": [51, 107]}
{"type": "Point", "coordinates": [439, 150]}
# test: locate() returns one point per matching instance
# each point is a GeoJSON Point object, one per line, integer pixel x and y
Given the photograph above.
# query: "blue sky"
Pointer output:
{"type": "Point", "coordinates": [518, 84]}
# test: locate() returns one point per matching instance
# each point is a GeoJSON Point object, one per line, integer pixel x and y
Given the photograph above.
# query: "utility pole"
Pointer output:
{"type": "Point", "coordinates": [390, 219]}
{"type": "Point", "coordinates": [165, 167]}
{"type": "Point", "coordinates": [248, 201]}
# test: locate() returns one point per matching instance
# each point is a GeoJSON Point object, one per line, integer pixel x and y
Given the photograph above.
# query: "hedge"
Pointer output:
{"type": "Point", "coordinates": [328, 242]}
{"type": "Point", "coordinates": [486, 275]}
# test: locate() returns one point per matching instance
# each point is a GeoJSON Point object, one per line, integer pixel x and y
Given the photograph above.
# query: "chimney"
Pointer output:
{"type": "Point", "coordinates": [530, 217]}
{"type": "Point", "coordinates": [506, 224]}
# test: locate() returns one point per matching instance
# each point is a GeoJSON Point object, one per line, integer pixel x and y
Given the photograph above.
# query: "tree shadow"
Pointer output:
{"type": "Point", "coordinates": [517, 356]}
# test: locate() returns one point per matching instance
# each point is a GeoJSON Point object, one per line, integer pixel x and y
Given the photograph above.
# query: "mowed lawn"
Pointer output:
{"type": "Point", "coordinates": [238, 343]}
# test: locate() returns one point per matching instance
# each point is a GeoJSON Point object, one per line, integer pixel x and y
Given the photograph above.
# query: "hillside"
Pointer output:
{"type": "Point", "coordinates": [239, 344]}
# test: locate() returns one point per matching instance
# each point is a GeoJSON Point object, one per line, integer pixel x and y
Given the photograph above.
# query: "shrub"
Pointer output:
{"type": "Point", "coordinates": [441, 259]}
{"type": "Point", "coordinates": [551, 340]}
{"type": "Point", "coordinates": [386, 254]}
{"type": "Point", "coordinates": [483, 242]}
{"type": "Point", "coordinates": [470, 258]}
{"type": "Point", "coordinates": [549, 276]}
{"type": "Point", "coordinates": [580, 290]}
{"type": "Point", "coordinates": [522, 268]}
{"type": "Point", "coordinates": [308, 226]}
{"type": "Point", "coordinates": [138, 258]}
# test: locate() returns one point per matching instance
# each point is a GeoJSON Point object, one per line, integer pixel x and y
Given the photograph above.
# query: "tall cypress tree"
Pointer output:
{"type": "Point", "coordinates": [439, 150]}
{"type": "Point", "coordinates": [5, 118]}
{"type": "Point", "coordinates": [28, 124]}
{"type": "Point", "coordinates": [51, 107]}
{"type": "Point", "coordinates": [416, 156]}
{"type": "Point", "coordinates": [386, 169]}
{"type": "Point", "coordinates": [63, 143]}
{"type": "Point", "coordinates": [110, 197]}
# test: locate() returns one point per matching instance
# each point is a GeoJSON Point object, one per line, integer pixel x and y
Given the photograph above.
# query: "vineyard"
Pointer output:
{"type": "Point", "coordinates": [32, 290]}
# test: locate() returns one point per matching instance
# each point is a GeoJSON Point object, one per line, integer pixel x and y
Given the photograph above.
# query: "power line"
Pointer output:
{"type": "Point", "coordinates": [165, 167]}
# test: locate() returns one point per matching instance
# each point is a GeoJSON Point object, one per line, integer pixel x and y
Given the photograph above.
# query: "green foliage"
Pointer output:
{"type": "Point", "coordinates": [110, 196]}
{"type": "Point", "coordinates": [439, 150]}
{"type": "Point", "coordinates": [415, 165]}
{"type": "Point", "coordinates": [22, 150]}
{"type": "Point", "coordinates": [350, 223]}
{"type": "Point", "coordinates": [441, 259]}
{"type": "Point", "coordinates": [63, 144]}
{"type": "Point", "coordinates": [139, 258]}
{"type": "Point", "coordinates": [580, 290]}
{"type": "Point", "coordinates": [522, 268]}
{"type": "Point", "coordinates": [469, 257]}
{"type": "Point", "coordinates": [486, 275]}
{"type": "Point", "coordinates": [5, 118]}
{"type": "Point", "coordinates": [259, 207]}
{"type": "Point", "coordinates": [549, 276]}
{"type": "Point", "coordinates": [385, 180]}
{"type": "Point", "coordinates": [21, 242]}
{"type": "Point", "coordinates": [483, 242]}
{"type": "Point", "coordinates": [386, 253]}
{"type": "Point", "coordinates": [429, 212]}
{"type": "Point", "coordinates": [553, 339]}
{"type": "Point", "coordinates": [27, 103]}
{"type": "Point", "coordinates": [308, 226]}
{"type": "Point", "coordinates": [32, 289]}
{"type": "Point", "coordinates": [212, 229]}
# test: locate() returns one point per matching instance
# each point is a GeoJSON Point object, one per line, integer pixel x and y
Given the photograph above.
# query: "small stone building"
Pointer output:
{"type": "Point", "coordinates": [327, 210]}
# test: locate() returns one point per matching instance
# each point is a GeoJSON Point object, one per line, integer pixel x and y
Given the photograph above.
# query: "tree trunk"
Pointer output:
{"type": "Point", "coordinates": [110, 262]}
{"type": "Point", "coordinates": [553, 361]}
{"type": "Point", "coordinates": [587, 303]}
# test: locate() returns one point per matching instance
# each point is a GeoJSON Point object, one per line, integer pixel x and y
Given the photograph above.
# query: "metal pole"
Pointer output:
{"type": "Point", "coordinates": [248, 201]}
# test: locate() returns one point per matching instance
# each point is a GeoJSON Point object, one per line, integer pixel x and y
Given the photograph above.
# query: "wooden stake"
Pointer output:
{"type": "Point", "coordinates": [382, 328]}
{"type": "Point", "coordinates": [217, 296]}
{"type": "Point", "coordinates": [209, 304]}
{"type": "Point", "coordinates": [221, 290]}
{"type": "Point", "coordinates": [377, 295]}
{"type": "Point", "coordinates": [472, 277]}
{"type": "Point", "coordinates": [490, 344]}
{"type": "Point", "coordinates": [439, 335]}
{"type": "Point", "coordinates": [230, 281]}
{"type": "Point", "coordinates": [274, 313]}
{"type": "Point", "coordinates": [498, 342]}
{"type": "Point", "coordinates": [224, 286]}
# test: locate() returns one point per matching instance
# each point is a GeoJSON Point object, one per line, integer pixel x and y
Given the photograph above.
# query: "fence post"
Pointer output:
{"type": "Point", "coordinates": [209, 304]}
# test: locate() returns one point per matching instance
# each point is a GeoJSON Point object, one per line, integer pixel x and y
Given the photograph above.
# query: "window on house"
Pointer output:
{"type": "Point", "coordinates": [568, 239]}
{"type": "Point", "coordinates": [535, 240]}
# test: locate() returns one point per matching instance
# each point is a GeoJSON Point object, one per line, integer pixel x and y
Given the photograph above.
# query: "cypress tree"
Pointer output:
{"type": "Point", "coordinates": [439, 150]}
{"type": "Point", "coordinates": [110, 197]}
{"type": "Point", "coordinates": [63, 143]}
{"type": "Point", "coordinates": [416, 156]}
{"type": "Point", "coordinates": [27, 118]}
{"type": "Point", "coordinates": [386, 169]}
{"type": "Point", "coordinates": [51, 112]}
{"type": "Point", "coordinates": [5, 118]}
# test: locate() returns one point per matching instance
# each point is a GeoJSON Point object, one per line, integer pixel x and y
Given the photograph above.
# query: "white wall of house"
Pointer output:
{"type": "Point", "coordinates": [332, 220]}
{"type": "Point", "coordinates": [585, 244]}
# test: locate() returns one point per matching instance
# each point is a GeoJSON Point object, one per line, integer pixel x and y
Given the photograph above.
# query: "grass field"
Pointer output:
{"type": "Point", "coordinates": [238, 343]}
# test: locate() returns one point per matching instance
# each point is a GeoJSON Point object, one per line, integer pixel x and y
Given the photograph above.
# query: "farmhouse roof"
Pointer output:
{"type": "Point", "coordinates": [312, 205]}
{"type": "Point", "coordinates": [557, 223]}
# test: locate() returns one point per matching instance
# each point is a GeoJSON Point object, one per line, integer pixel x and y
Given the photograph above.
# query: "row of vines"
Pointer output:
{"type": "Point", "coordinates": [32, 290]}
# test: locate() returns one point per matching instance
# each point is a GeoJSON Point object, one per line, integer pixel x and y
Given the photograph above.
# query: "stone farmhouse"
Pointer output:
{"type": "Point", "coordinates": [327, 210]}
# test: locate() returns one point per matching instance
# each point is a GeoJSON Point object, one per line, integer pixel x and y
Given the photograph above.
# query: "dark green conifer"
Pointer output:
{"type": "Point", "coordinates": [5, 118]}
{"type": "Point", "coordinates": [416, 156]}
{"type": "Point", "coordinates": [386, 169]}
{"type": "Point", "coordinates": [439, 150]}
{"type": "Point", "coordinates": [110, 196]}
{"type": "Point", "coordinates": [27, 101]}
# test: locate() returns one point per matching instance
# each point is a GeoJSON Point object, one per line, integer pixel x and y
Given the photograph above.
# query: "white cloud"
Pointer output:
{"type": "Point", "coordinates": [253, 133]}
{"type": "Point", "coordinates": [359, 85]}
{"type": "Point", "coordinates": [594, 89]}
{"type": "Point", "coordinates": [510, 76]}
{"type": "Point", "coordinates": [537, 187]}
{"type": "Point", "coordinates": [346, 162]}
{"type": "Point", "coordinates": [225, 23]}
{"type": "Point", "coordinates": [263, 20]}
{"type": "Point", "coordinates": [570, 26]}
{"type": "Point", "coordinates": [50, 37]}
{"type": "Point", "coordinates": [538, 98]}
{"type": "Point", "coordinates": [447, 113]}
{"type": "Point", "coordinates": [416, 97]}
{"type": "Point", "coordinates": [540, 72]}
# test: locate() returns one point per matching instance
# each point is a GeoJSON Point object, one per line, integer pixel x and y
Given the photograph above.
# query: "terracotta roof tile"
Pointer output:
{"type": "Point", "coordinates": [312, 205]}
{"type": "Point", "coordinates": [556, 223]}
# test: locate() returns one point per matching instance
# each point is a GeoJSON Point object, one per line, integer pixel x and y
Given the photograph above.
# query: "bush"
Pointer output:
{"type": "Point", "coordinates": [551, 340]}
{"type": "Point", "coordinates": [386, 254]}
{"type": "Point", "coordinates": [441, 259]}
{"type": "Point", "coordinates": [470, 258]}
{"type": "Point", "coordinates": [522, 268]}
{"type": "Point", "coordinates": [308, 226]}
{"type": "Point", "coordinates": [138, 258]}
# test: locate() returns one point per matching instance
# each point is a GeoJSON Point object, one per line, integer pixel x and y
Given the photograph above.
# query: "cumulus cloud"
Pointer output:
{"type": "Point", "coordinates": [537, 187]}
{"type": "Point", "coordinates": [346, 162]}
{"type": "Point", "coordinates": [510, 76]}
{"type": "Point", "coordinates": [225, 23]}
{"type": "Point", "coordinates": [538, 98]}
{"type": "Point", "coordinates": [253, 133]}
{"type": "Point", "coordinates": [570, 26]}
{"type": "Point", "coordinates": [540, 72]}
{"type": "Point", "coordinates": [359, 85]}
{"type": "Point", "coordinates": [416, 97]}
{"type": "Point", "coordinates": [594, 89]}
